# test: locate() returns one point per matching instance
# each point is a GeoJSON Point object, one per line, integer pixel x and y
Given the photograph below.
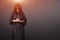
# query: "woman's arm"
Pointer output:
{"type": "Point", "coordinates": [17, 20]}
{"type": "Point", "coordinates": [10, 19]}
{"type": "Point", "coordinates": [25, 20]}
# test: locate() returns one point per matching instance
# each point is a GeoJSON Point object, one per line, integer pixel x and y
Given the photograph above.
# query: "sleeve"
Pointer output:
{"type": "Point", "coordinates": [25, 20]}
{"type": "Point", "coordinates": [10, 19]}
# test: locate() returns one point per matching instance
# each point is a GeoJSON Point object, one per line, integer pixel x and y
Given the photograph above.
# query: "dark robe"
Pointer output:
{"type": "Point", "coordinates": [17, 28]}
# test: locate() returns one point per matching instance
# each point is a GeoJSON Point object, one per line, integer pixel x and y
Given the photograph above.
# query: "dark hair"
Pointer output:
{"type": "Point", "coordinates": [20, 8]}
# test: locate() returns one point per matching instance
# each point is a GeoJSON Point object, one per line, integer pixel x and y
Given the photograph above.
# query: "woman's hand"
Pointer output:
{"type": "Point", "coordinates": [14, 21]}
{"type": "Point", "coordinates": [21, 20]}
{"type": "Point", "coordinates": [18, 20]}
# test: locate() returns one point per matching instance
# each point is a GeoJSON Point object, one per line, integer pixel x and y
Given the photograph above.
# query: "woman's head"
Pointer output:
{"type": "Point", "coordinates": [18, 8]}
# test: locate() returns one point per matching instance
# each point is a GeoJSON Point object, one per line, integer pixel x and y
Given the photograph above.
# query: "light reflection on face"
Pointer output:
{"type": "Point", "coordinates": [17, 9]}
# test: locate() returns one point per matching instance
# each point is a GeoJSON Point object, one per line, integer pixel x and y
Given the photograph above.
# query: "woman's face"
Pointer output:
{"type": "Point", "coordinates": [17, 9]}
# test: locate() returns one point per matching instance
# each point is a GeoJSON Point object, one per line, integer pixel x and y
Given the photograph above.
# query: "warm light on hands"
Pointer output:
{"type": "Point", "coordinates": [18, 20]}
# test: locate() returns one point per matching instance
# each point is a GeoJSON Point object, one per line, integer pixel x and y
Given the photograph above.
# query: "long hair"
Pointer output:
{"type": "Point", "coordinates": [20, 8]}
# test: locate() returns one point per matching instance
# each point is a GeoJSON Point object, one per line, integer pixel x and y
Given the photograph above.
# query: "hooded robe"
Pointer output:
{"type": "Point", "coordinates": [17, 28]}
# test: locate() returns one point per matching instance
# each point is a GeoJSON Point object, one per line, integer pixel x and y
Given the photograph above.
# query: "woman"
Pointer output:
{"type": "Point", "coordinates": [17, 21]}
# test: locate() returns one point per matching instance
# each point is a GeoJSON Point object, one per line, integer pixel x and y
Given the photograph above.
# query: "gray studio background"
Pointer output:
{"type": "Point", "coordinates": [43, 19]}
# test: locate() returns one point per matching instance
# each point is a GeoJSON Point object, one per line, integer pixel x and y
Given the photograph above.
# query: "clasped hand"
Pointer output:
{"type": "Point", "coordinates": [18, 20]}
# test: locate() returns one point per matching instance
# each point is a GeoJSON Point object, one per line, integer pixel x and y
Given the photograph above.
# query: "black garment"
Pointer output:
{"type": "Point", "coordinates": [18, 32]}
{"type": "Point", "coordinates": [15, 15]}
{"type": "Point", "coordinates": [18, 28]}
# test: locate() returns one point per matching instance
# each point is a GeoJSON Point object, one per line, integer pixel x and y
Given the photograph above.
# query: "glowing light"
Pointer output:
{"type": "Point", "coordinates": [23, 2]}
{"type": "Point", "coordinates": [18, 1]}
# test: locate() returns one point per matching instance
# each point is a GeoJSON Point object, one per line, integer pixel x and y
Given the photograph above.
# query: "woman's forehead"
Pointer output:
{"type": "Point", "coordinates": [17, 7]}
